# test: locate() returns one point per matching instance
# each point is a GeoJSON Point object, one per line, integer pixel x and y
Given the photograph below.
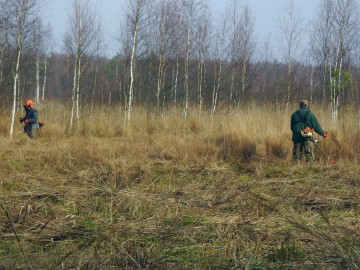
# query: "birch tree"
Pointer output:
{"type": "Point", "coordinates": [219, 62]}
{"type": "Point", "coordinates": [4, 36]}
{"type": "Point", "coordinates": [47, 46]}
{"type": "Point", "coordinates": [177, 48]}
{"type": "Point", "coordinates": [345, 21]}
{"type": "Point", "coordinates": [265, 67]}
{"type": "Point", "coordinates": [234, 15]}
{"type": "Point", "coordinates": [23, 13]}
{"type": "Point", "coordinates": [190, 6]}
{"type": "Point", "coordinates": [203, 47]}
{"type": "Point", "coordinates": [96, 64]}
{"type": "Point", "coordinates": [165, 24]}
{"type": "Point", "coordinates": [335, 33]}
{"type": "Point", "coordinates": [321, 43]}
{"type": "Point", "coordinates": [247, 45]}
{"type": "Point", "coordinates": [160, 23]}
{"type": "Point", "coordinates": [290, 26]}
{"type": "Point", "coordinates": [80, 40]}
{"type": "Point", "coordinates": [134, 19]}
{"type": "Point", "coordinates": [38, 38]}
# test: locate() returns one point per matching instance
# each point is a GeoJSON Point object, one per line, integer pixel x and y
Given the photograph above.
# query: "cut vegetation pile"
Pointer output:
{"type": "Point", "coordinates": [209, 192]}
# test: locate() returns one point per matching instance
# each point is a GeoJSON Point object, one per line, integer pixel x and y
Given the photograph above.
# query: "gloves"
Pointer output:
{"type": "Point", "coordinates": [26, 121]}
{"type": "Point", "coordinates": [325, 134]}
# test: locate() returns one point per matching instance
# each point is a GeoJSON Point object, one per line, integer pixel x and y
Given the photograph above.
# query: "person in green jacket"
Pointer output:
{"type": "Point", "coordinates": [303, 124]}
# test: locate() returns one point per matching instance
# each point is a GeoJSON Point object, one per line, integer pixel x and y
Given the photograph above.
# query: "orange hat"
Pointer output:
{"type": "Point", "coordinates": [29, 103]}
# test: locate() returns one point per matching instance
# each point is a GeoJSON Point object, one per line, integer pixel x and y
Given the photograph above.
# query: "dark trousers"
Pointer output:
{"type": "Point", "coordinates": [31, 130]}
{"type": "Point", "coordinates": [307, 147]}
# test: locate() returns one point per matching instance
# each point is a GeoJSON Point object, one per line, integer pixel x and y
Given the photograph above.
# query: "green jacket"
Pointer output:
{"type": "Point", "coordinates": [297, 125]}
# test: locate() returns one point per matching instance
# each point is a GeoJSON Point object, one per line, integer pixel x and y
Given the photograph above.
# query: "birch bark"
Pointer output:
{"type": "Point", "coordinates": [139, 4]}
{"type": "Point", "coordinates": [190, 11]}
{"type": "Point", "coordinates": [82, 40]}
{"type": "Point", "coordinates": [22, 13]}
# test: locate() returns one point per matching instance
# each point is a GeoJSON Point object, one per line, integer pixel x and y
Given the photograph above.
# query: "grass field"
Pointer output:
{"type": "Point", "coordinates": [206, 192]}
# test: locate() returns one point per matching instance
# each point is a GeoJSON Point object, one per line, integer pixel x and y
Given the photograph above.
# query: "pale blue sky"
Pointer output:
{"type": "Point", "coordinates": [266, 15]}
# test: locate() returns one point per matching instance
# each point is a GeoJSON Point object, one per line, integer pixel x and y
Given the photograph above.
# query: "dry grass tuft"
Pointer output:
{"type": "Point", "coordinates": [196, 125]}
{"type": "Point", "coordinates": [235, 148]}
{"type": "Point", "coordinates": [275, 147]}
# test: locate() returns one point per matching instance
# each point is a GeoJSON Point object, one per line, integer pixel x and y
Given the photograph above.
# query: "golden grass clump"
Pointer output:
{"type": "Point", "coordinates": [275, 146]}
{"type": "Point", "coordinates": [233, 147]}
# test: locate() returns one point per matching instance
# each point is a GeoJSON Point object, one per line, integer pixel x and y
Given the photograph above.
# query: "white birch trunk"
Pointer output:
{"type": "Point", "coordinates": [162, 63]}
{"type": "Point", "coordinates": [94, 88]}
{"type": "Point", "coordinates": [13, 111]}
{"type": "Point", "coordinates": [214, 98]}
{"type": "Point", "coordinates": [73, 96]}
{"type": "Point", "coordinates": [187, 58]}
{"type": "Point", "coordinates": [200, 87]}
{"type": "Point", "coordinates": [336, 81]}
{"type": "Point", "coordinates": [20, 40]}
{"type": "Point", "coordinates": [232, 83]}
{"type": "Point", "coordinates": [311, 83]}
{"type": "Point", "coordinates": [288, 92]}
{"type": "Point", "coordinates": [217, 87]}
{"type": "Point", "coordinates": [176, 80]}
{"type": "Point", "coordinates": [172, 83]}
{"type": "Point", "coordinates": [132, 75]}
{"type": "Point", "coordinates": [243, 77]}
{"type": "Point", "coordinates": [128, 112]}
{"type": "Point", "coordinates": [218, 74]}
{"type": "Point", "coordinates": [324, 82]}
{"type": "Point", "coordinates": [160, 80]}
{"type": "Point", "coordinates": [78, 92]}
{"type": "Point", "coordinates": [37, 91]}
{"type": "Point", "coordinates": [44, 83]}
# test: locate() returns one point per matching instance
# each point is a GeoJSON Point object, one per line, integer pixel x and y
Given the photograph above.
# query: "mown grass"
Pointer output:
{"type": "Point", "coordinates": [209, 192]}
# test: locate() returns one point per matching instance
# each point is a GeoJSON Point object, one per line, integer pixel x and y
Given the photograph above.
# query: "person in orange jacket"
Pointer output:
{"type": "Point", "coordinates": [30, 119]}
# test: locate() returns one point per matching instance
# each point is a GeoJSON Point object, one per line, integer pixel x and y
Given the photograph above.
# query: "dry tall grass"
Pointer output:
{"type": "Point", "coordinates": [206, 192]}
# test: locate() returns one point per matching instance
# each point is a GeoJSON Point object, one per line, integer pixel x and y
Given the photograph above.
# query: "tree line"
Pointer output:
{"type": "Point", "coordinates": [175, 53]}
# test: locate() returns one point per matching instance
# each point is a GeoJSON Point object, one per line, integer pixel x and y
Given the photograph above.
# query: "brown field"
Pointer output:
{"type": "Point", "coordinates": [206, 192]}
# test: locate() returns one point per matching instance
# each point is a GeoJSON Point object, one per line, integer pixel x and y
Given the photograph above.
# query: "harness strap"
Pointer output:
{"type": "Point", "coordinates": [303, 118]}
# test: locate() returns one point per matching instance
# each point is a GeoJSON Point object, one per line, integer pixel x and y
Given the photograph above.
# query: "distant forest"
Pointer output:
{"type": "Point", "coordinates": [173, 53]}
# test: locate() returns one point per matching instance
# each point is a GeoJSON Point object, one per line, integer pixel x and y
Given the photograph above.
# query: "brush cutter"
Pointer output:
{"type": "Point", "coordinates": [317, 140]}
{"type": "Point", "coordinates": [327, 156]}
{"type": "Point", "coordinates": [40, 125]}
